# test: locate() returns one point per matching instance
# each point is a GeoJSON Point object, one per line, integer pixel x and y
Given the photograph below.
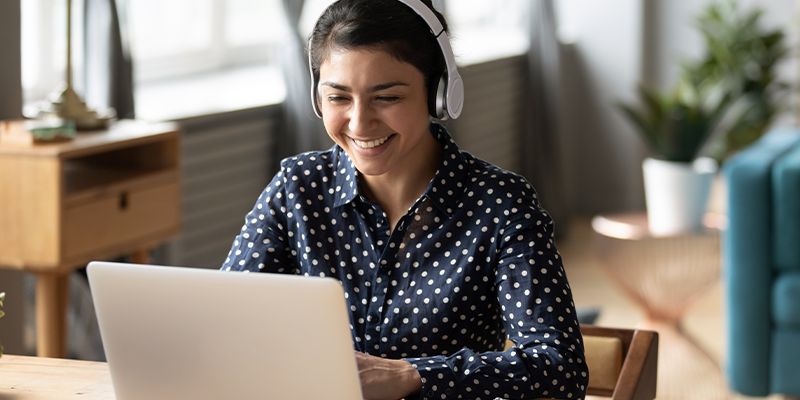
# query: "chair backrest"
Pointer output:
{"type": "Point", "coordinates": [623, 363]}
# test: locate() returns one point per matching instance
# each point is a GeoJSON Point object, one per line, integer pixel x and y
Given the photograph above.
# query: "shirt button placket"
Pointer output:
{"type": "Point", "coordinates": [387, 262]}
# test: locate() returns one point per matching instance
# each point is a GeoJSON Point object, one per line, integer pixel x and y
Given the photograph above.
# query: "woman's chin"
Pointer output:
{"type": "Point", "coordinates": [371, 169]}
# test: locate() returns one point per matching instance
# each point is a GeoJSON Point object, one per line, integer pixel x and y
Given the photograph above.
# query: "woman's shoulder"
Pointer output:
{"type": "Point", "coordinates": [498, 183]}
{"type": "Point", "coordinates": [309, 161]}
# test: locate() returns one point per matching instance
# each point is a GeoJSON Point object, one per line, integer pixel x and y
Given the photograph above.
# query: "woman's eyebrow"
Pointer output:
{"type": "Point", "coordinates": [376, 88]}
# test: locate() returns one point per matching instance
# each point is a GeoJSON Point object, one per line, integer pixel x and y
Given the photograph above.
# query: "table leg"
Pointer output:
{"type": "Point", "coordinates": [140, 256]}
{"type": "Point", "coordinates": [686, 368]}
{"type": "Point", "coordinates": [51, 312]}
{"type": "Point", "coordinates": [699, 347]}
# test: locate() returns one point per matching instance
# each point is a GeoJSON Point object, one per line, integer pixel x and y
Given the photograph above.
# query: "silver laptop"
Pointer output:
{"type": "Point", "coordinates": [186, 333]}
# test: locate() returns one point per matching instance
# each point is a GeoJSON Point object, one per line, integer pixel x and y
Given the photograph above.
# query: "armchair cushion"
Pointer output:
{"type": "Point", "coordinates": [785, 376]}
{"type": "Point", "coordinates": [786, 210]}
{"type": "Point", "coordinates": [605, 355]}
{"type": "Point", "coordinates": [786, 301]}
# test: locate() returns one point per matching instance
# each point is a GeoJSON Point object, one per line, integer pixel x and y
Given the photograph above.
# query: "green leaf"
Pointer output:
{"type": "Point", "coordinates": [739, 65]}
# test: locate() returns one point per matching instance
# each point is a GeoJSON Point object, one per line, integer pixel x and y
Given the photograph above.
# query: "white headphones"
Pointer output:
{"type": "Point", "coordinates": [446, 98]}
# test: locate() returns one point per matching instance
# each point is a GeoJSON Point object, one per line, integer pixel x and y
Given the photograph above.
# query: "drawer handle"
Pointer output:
{"type": "Point", "coordinates": [123, 201]}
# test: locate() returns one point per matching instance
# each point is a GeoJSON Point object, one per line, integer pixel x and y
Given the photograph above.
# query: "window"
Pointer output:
{"type": "Point", "coordinates": [479, 29]}
{"type": "Point", "coordinates": [181, 37]}
{"type": "Point", "coordinates": [43, 47]}
{"type": "Point", "coordinates": [482, 30]}
{"type": "Point", "coordinates": [180, 44]}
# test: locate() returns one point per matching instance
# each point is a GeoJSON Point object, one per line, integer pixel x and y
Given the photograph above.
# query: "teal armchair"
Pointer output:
{"type": "Point", "coordinates": [761, 256]}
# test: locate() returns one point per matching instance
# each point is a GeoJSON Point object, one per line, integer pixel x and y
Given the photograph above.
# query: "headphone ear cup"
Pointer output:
{"type": "Point", "coordinates": [436, 96]}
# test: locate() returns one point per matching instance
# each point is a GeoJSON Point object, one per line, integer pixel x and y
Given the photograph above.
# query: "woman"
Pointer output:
{"type": "Point", "coordinates": [441, 255]}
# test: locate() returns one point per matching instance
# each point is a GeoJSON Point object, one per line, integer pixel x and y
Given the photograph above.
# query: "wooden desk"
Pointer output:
{"type": "Point", "coordinates": [98, 196]}
{"type": "Point", "coordinates": [37, 378]}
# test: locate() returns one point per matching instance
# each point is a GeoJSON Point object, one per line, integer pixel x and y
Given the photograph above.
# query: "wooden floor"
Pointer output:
{"type": "Point", "coordinates": [684, 372]}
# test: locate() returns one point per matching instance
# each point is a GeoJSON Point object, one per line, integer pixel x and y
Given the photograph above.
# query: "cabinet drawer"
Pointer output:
{"type": "Point", "coordinates": [120, 218]}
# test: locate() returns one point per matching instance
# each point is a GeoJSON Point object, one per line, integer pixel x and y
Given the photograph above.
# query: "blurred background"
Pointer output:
{"type": "Point", "coordinates": [545, 83]}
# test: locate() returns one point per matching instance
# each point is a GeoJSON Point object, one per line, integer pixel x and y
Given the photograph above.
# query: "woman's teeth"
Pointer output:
{"type": "Point", "coordinates": [368, 144]}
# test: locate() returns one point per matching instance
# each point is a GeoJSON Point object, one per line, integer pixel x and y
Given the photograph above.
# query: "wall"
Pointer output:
{"type": "Point", "coordinates": [601, 64]}
{"type": "Point", "coordinates": [226, 163]}
{"type": "Point", "coordinates": [675, 35]}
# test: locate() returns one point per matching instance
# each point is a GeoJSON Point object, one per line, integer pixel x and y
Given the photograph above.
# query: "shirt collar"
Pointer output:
{"type": "Point", "coordinates": [345, 178]}
{"type": "Point", "coordinates": [445, 189]}
{"type": "Point", "coordinates": [450, 181]}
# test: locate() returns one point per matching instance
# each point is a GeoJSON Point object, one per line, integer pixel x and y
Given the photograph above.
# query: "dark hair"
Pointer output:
{"type": "Point", "coordinates": [386, 25]}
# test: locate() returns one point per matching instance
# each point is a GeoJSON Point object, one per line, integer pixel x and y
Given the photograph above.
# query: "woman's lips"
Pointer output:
{"type": "Point", "coordinates": [373, 146]}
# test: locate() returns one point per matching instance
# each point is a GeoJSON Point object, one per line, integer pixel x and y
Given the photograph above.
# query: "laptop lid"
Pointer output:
{"type": "Point", "coordinates": [187, 333]}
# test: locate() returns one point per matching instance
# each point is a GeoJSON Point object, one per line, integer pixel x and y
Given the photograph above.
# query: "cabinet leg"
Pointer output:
{"type": "Point", "coordinates": [52, 292]}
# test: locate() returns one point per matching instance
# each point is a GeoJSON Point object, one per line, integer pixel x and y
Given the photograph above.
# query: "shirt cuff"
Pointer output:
{"type": "Point", "coordinates": [438, 378]}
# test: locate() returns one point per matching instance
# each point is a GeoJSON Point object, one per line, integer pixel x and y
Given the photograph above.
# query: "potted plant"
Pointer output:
{"type": "Point", "coordinates": [676, 127]}
{"type": "Point", "coordinates": [721, 103]}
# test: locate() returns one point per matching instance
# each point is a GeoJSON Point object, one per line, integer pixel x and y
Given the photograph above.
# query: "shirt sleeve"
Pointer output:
{"type": "Point", "coordinates": [263, 243]}
{"type": "Point", "coordinates": [547, 359]}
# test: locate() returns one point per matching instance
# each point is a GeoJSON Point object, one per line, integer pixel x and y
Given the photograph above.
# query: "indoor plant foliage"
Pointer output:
{"type": "Point", "coordinates": [741, 57]}
{"type": "Point", "coordinates": [677, 125]}
{"type": "Point", "coordinates": [725, 100]}
{"type": "Point", "coordinates": [721, 103]}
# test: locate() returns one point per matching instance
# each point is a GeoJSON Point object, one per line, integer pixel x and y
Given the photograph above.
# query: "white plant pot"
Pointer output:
{"type": "Point", "coordinates": [677, 194]}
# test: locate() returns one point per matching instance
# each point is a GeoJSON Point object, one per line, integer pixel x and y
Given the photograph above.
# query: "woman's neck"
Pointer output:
{"type": "Point", "coordinates": [398, 189]}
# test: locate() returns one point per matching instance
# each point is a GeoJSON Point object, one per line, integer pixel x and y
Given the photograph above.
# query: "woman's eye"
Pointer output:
{"type": "Point", "coordinates": [388, 99]}
{"type": "Point", "coordinates": [337, 99]}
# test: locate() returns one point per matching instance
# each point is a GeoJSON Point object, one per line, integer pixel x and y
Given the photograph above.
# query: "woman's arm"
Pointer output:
{"type": "Point", "coordinates": [262, 245]}
{"type": "Point", "coordinates": [538, 314]}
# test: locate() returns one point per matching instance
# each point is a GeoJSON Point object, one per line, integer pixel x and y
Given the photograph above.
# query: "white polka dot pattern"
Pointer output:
{"type": "Point", "coordinates": [471, 263]}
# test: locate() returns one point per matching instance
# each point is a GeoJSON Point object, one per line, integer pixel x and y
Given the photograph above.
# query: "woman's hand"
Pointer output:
{"type": "Point", "coordinates": [385, 379]}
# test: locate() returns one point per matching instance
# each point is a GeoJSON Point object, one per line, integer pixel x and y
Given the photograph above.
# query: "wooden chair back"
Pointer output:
{"type": "Point", "coordinates": [623, 363]}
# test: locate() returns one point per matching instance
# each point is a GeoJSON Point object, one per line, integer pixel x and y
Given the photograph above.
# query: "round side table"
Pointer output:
{"type": "Point", "coordinates": [664, 275]}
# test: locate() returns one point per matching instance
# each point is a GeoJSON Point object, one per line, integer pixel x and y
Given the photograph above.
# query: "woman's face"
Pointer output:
{"type": "Point", "coordinates": [375, 107]}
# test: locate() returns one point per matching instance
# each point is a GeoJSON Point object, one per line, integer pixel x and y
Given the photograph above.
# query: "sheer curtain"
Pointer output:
{"type": "Point", "coordinates": [12, 282]}
{"type": "Point", "coordinates": [541, 158]}
{"type": "Point", "coordinates": [108, 69]}
{"type": "Point", "coordinates": [107, 82]}
{"type": "Point", "coordinates": [10, 73]}
{"type": "Point", "coordinates": [302, 130]}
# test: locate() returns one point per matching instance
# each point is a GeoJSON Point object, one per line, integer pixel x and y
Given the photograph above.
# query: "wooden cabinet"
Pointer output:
{"type": "Point", "coordinates": [97, 196]}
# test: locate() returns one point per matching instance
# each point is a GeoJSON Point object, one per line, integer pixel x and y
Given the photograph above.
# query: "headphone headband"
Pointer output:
{"type": "Point", "coordinates": [449, 93]}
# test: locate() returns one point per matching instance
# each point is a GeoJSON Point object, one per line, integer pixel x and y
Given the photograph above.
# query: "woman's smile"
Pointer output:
{"type": "Point", "coordinates": [372, 147]}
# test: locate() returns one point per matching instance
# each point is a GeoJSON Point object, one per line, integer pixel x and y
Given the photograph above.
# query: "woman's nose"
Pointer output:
{"type": "Point", "coordinates": [361, 116]}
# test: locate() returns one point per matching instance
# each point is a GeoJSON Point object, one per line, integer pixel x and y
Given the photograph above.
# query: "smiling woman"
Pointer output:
{"type": "Point", "coordinates": [442, 256]}
{"type": "Point", "coordinates": [375, 108]}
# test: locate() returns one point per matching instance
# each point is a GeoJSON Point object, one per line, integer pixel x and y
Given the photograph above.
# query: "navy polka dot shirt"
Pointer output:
{"type": "Point", "coordinates": [472, 263]}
